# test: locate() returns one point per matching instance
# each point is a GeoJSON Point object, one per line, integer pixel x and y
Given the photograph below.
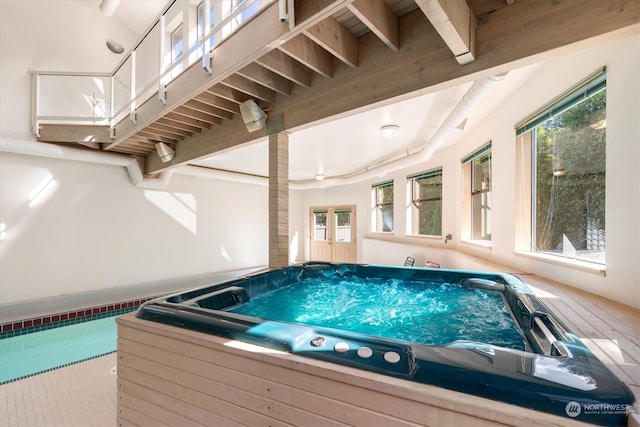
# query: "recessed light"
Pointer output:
{"type": "Point", "coordinates": [114, 46]}
{"type": "Point", "coordinates": [389, 131]}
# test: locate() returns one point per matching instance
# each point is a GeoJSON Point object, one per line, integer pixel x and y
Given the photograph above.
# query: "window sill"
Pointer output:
{"type": "Point", "coordinates": [380, 235]}
{"type": "Point", "coordinates": [481, 244]}
{"type": "Point", "coordinates": [588, 267]}
{"type": "Point", "coordinates": [429, 240]}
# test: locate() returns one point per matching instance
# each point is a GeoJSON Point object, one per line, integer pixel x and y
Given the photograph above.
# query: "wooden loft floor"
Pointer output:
{"type": "Point", "coordinates": [611, 330]}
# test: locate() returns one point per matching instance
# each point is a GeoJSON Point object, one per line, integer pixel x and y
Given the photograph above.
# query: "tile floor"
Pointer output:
{"type": "Point", "coordinates": [82, 395]}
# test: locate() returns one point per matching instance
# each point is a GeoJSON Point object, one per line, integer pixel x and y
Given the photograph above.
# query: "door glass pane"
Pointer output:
{"type": "Point", "coordinates": [343, 226]}
{"type": "Point", "coordinates": [320, 226]}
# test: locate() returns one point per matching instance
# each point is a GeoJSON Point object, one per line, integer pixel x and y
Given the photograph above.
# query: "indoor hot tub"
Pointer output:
{"type": "Point", "coordinates": [479, 333]}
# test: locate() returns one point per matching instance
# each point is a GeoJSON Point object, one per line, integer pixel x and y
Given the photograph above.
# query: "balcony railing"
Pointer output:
{"type": "Point", "coordinates": [108, 98]}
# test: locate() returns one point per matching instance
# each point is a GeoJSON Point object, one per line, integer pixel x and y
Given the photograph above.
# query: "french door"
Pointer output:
{"type": "Point", "coordinates": [333, 234]}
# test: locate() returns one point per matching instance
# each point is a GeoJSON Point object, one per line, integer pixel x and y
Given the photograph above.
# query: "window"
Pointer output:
{"type": "Point", "coordinates": [382, 195]}
{"type": "Point", "coordinates": [568, 143]}
{"type": "Point", "coordinates": [343, 225]}
{"type": "Point", "coordinates": [426, 203]}
{"type": "Point", "coordinates": [477, 173]}
{"type": "Point", "coordinates": [212, 19]}
{"type": "Point", "coordinates": [320, 225]}
{"type": "Point", "coordinates": [177, 44]}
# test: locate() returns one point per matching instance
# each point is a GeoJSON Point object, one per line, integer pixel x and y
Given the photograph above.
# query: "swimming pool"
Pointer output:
{"type": "Point", "coordinates": [479, 333]}
{"type": "Point", "coordinates": [29, 354]}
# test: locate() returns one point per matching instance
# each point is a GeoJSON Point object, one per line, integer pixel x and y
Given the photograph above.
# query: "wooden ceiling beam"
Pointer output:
{"type": "Point", "coordinates": [175, 115]}
{"type": "Point", "coordinates": [140, 145]}
{"type": "Point", "coordinates": [229, 94]}
{"type": "Point", "coordinates": [267, 78]}
{"type": "Point", "coordinates": [380, 19]}
{"type": "Point", "coordinates": [456, 24]}
{"type": "Point", "coordinates": [253, 89]}
{"type": "Point", "coordinates": [197, 115]}
{"type": "Point", "coordinates": [156, 138]}
{"type": "Point", "coordinates": [336, 39]}
{"type": "Point", "coordinates": [176, 124]}
{"type": "Point", "coordinates": [284, 65]}
{"type": "Point", "coordinates": [220, 102]}
{"type": "Point", "coordinates": [156, 129]}
{"type": "Point", "coordinates": [308, 53]}
{"type": "Point", "coordinates": [524, 33]}
{"type": "Point", "coordinates": [197, 105]}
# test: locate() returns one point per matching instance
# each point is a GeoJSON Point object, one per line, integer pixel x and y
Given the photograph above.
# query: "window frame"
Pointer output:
{"type": "Point", "coordinates": [378, 206]}
{"type": "Point", "coordinates": [526, 132]}
{"type": "Point", "coordinates": [200, 30]}
{"type": "Point", "coordinates": [179, 30]}
{"type": "Point", "coordinates": [414, 200]}
{"type": "Point", "coordinates": [472, 193]}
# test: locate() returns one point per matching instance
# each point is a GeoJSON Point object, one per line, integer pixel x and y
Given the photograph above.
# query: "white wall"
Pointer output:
{"type": "Point", "coordinates": [36, 35]}
{"type": "Point", "coordinates": [621, 282]}
{"type": "Point", "coordinates": [94, 230]}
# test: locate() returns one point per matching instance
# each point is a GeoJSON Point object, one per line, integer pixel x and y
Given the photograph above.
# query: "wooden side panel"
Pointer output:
{"type": "Point", "coordinates": [171, 376]}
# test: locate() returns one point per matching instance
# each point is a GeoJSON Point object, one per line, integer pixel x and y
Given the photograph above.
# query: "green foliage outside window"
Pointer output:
{"type": "Point", "coordinates": [570, 181]}
{"type": "Point", "coordinates": [427, 198]}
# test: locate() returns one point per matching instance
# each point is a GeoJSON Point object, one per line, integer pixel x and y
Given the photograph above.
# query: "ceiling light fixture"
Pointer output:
{"type": "Point", "coordinates": [319, 176]}
{"type": "Point", "coordinates": [253, 116]}
{"type": "Point", "coordinates": [164, 152]}
{"type": "Point", "coordinates": [390, 131]}
{"type": "Point", "coordinates": [114, 46]}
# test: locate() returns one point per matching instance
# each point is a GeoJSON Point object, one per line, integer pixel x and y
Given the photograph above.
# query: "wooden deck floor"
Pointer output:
{"type": "Point", "coordinates": [610, 330]}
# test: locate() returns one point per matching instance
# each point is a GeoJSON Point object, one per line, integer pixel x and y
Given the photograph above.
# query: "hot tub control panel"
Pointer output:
{"type": "Point", "coordinates": [380, 356]}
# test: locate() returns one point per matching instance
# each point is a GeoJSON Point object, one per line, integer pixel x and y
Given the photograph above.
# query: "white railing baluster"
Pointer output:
{"type": "Point", "coordinates": [162, 88]}
{"type": "Point", "coordinates": [48, 86]}
{"type": "Point", "coordinates": [132, 99]}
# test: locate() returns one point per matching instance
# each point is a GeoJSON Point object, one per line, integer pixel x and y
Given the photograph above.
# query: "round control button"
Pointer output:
{"type": "Point", "coordinates": [392, 357]}
{"type": "Point", "coordinates": [365, 352]}
{"type": "Point", "coordinates": [341, 347]}
{"type": "Point", "coordinates": [317, 342]}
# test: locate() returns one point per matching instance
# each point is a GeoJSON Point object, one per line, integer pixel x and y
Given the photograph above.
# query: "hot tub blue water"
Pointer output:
{"type": "Point", "coordinates": [475, 332]}
{"type": "Point", "coordinates": [431, 313]}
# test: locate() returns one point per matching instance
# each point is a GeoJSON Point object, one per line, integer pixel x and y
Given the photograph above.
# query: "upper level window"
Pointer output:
{"type": "Point", "coordinates": [477, 172]}
{"type": "Point", "coordinates": [426, 203]}
{"type": "Point", "coordinates": [177, 44]}
{"type": "Point", "coordinates": [212, 19]}
{"type": "Point", "coordinates": [382, 195]}
{"type": "Point", "coordinates": [568, 169]}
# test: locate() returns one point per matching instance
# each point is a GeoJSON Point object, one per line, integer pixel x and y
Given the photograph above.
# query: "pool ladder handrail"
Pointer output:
{"type": "Point", "coordinates": [557, 347]}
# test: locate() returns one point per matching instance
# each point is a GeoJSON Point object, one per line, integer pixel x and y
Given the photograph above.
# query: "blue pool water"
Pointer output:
{"type": "Point", "coordinates": [436, 313]}
{"type": "Point", "coordinates": [28, 354]}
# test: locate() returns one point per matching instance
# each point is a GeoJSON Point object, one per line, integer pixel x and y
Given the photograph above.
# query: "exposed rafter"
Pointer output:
{"type": "Point", "coordinates": [339, 56]}
{"type": "Point", "coordinates": [456, 24]}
